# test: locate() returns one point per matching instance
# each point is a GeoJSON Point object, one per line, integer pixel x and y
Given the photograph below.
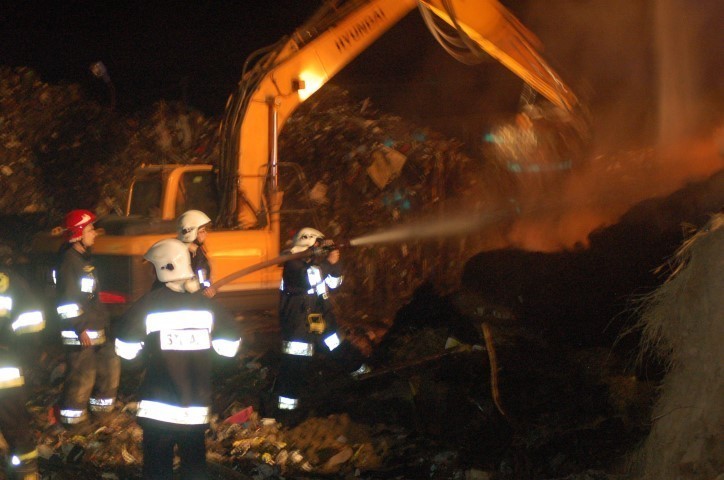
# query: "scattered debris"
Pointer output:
{"type": "Point", "coordinates": [573, 406]}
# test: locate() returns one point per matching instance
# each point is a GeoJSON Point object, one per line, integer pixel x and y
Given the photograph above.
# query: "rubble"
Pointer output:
{"type": "Point", "coordinates": [566, 404]}
{"type": "Point", "coordinates": [58, 148]}
{"type": "Point", "coordinates": [379, 171]}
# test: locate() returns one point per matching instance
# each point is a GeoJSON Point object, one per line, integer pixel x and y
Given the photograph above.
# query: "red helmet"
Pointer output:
{"type": "Point", "coordinates": [75, 222]}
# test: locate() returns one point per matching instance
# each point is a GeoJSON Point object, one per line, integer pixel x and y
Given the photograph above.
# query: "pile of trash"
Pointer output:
{"type": "Point", "coordinates": [365, 171]}
{"type": "Point", "coordinates": [485, 365]}
{"type": "Point", "coordinates": [359, 171]}
{"type": "Point", "coordinates": [239, 440]}
{"type": "Point", "coordinates": [23, 99]}
{"type": "Point", "coordinates": [59, 148]}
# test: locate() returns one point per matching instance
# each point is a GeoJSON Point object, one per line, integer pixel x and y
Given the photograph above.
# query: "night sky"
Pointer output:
{"type": "Point", "coordinates": [153, 50]}
{"type": "Point", "coordinates": [194, 51]}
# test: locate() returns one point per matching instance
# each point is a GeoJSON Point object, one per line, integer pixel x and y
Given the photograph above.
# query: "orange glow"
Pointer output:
{"type": "Point", "coordinates": [312, 82]}
{"type": "Point", "coordinates": [597, 195]}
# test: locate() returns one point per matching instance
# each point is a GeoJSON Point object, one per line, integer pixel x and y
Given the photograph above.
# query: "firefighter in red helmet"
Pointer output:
{"type": "Point", "coordinates": [93, 367]}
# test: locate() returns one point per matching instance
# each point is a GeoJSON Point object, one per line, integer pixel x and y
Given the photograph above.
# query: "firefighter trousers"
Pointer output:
{"type": "Point", "coordinates": [158, 453]}
{"type": "Point", "coordinates": [294, 376]}
{"type": "Point", "coordinates": [15, 421]}
{"type": "Point", "coordinates": [298, 374]}
{"type": "Point", "coordinates": [93, 377]}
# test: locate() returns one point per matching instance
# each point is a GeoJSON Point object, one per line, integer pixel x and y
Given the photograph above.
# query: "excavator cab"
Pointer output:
{"type": "Point", "coordinates": [164, 192]}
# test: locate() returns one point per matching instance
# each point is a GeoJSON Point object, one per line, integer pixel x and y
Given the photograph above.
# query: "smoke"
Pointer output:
{"type": "Point", "coordinates": [600, 192]}
{"type": "Point", "coordinates": [682, 57]}
{"type": "Point", "coordinates": [651, 75]}
{"type": "Point", "coordinates": [651, 71]}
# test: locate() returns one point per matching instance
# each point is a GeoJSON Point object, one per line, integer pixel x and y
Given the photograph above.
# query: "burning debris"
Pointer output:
{"type": "Point", "coordinates": [376, 171]}
{"type": "Point", "coordinates": [533, 386]}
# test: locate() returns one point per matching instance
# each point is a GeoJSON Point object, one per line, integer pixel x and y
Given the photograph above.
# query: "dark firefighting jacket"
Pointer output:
{"type": "Point", "coordinates": [177, 335]}
{"type": "Point", "coordinates": [20, 313]}
{"type": "Point", "coordinates": [79, 307]}
{"type": "Point", "coordinates": [201, 266]}
{"type": "Point", "coordinates": [305, 313]}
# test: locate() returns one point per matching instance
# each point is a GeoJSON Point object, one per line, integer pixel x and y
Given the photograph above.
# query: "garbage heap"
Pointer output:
{"type": "Point", "coordinates": [347, 169]}
{"type": "Point", "coordinates": [241, 443]}
{"type": "Point", "coordinates": [364, 171]}
{"type": "Point", "coordinates": [56, 148]}
{"type": "Point", "coordinates": [59, 148]}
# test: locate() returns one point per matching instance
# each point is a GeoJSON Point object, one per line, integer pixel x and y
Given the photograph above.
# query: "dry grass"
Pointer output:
{"type": "Point", "coordinates": [683, 323]}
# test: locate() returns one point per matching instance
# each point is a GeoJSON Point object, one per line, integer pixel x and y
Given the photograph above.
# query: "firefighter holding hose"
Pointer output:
{"type": "Point", "coordinates": [307, 322]}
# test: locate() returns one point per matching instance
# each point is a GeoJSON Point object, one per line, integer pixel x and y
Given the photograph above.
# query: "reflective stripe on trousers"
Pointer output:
{"type": "Point", "coordinates": [286, 403]}
{"type": "Point", "coordinates": [10, 377]}
{"type": "Point", "coordinates": [101, 404]}
{"type": "Point", "coordinates": [71, 416]}
{"type": "Point", "coordinates": [298, 348]}
{"type": "Point", "coordinates": [165, 412]}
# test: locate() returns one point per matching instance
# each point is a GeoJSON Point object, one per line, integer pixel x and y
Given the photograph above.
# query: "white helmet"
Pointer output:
{"type": "Point", "coordinates": [189, 223]}
{"type": "Point", "coordinates": [306, 237]}
{"type": "Point", "coordinates": [172, 260]}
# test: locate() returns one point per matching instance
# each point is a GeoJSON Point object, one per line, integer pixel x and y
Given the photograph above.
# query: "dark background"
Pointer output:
{"type": "Point", "coordinates": [194, 51]}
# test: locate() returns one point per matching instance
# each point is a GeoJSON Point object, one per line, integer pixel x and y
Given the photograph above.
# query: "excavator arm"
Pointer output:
{"type": "Point", "coordinates": [278, 79]}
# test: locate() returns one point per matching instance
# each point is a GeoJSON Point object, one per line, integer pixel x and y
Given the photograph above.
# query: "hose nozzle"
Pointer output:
{"type": "Point", "coordinates": [324, 249]}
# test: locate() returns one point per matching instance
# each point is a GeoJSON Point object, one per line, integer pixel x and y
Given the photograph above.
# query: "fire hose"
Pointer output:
{"type": "Point", "coordinates": [492, 360]}
{"type": "Point", "coordinates": [310, 252]}
{"type": "Point", "coordinates": [324, 250]}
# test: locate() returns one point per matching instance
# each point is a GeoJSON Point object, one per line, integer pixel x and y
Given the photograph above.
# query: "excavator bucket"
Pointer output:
{"type": "Point", "coordinates": [496, 31]}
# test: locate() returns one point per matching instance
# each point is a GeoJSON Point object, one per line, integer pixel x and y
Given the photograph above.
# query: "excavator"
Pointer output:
{"type": "Point", "coordinates": [242, 193]}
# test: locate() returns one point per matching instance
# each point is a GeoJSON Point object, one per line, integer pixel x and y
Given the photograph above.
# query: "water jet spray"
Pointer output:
{"type": "Point", "coordinates": [448, 227]}
{"type": "Point", "coordinates": [442, 228]}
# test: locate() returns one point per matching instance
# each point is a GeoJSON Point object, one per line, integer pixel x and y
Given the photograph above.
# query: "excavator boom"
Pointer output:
{"type": "Point", "coordinates": [275, 82]}
{"type": "Point", "coordinates": [299, 65]}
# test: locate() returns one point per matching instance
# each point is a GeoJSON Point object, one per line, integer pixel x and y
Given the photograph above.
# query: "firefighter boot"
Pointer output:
{"type": "Point", "coordinates": [102, 419]}
{"type": "Point", "coordinates": [291, 418]}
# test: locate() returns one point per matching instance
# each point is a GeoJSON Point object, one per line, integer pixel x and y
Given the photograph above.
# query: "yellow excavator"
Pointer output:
{"type": "Point", "coordinates": [242, 192]}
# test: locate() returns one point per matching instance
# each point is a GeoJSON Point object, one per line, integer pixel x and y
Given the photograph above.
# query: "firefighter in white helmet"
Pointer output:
{"type": "Point", "coordinates": [20, 315]}
{"type": "Point", "coordinates": [93, 367]}
{"type": "Point", "coordinates": [192, 230]}
{"type": "Point", "coordinates": [177, 331]}
{"type": "Point", "coordinates": [307, 323]}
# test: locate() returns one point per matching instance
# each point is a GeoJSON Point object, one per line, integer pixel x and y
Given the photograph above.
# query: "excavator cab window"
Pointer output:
{"type": "Point", "coordinates": [146, 196]}
{"type": "Point", "coordinates": [197, 191]}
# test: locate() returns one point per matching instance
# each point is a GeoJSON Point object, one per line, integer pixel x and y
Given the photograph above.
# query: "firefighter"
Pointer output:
{"type": "Point", "coordinates": [93, 367]}
{"type": "Point", "coordinates": [192, 230]}
{"type": "Point", "coordinates": [20, 314]}
{"type": "Point", "coordinates": [307, 323]}
{"type": "Point", "coordinates": [176, 330]}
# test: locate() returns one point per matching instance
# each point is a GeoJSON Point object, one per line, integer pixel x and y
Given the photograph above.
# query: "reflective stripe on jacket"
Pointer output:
{"type": "Point", "coordinates": [177, 333]}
